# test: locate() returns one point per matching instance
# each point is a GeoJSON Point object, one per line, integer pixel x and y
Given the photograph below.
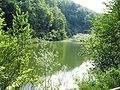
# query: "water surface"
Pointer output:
{"type": "Point", "coordinates": [70, 58]}
{"type": "Point", "coordinates": [68, 53]}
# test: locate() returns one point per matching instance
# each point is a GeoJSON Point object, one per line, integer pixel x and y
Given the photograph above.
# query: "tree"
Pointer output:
{"type": "Point", "coordinates": [9, 9]}
{"type": "Point", "coordinates": [58, 27]}
{"type": "Point", "coordinates": [42, 17]}
{"type": "Point", "coordinates": [14, 51]}
{"type": "Point", "coordinates": [105, 43]}
{"type": "Point", "coordinates": [77, 17]}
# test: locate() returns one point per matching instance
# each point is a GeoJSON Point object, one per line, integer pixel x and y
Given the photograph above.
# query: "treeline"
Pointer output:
{"type": "Point", "coordinates": [50, 19]}
{"type": "Point", "coordinates": [77, 17]}
{"type": "Point", "coordinates": [46, 21]}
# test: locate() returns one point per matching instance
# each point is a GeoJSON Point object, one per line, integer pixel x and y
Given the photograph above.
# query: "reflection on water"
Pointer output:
{"type": "Point", "coordinates": [63, 79]}
{"type": "Point", "coordinates": [66, 77]}
{"type": "Point", "coordinates": [69, 55]}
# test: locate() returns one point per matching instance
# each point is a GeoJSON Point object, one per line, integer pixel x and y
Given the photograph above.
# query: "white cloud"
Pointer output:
{"type": "Point", "coordinates": [95, 5]}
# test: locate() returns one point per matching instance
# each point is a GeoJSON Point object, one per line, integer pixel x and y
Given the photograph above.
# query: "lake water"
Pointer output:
{"type": "Point", "coordinates": [72, 63]}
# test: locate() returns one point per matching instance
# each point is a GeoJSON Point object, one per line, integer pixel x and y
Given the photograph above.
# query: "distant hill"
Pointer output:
{"type": "Point", "coordinates": [77, 16]}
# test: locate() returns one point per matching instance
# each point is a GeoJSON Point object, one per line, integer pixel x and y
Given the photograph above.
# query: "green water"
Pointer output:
{"type": "Point", "coordinates": [68, 54]}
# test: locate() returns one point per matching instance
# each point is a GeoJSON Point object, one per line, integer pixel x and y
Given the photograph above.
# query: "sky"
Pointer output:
{"type": "Point", "coordinates": [95, 5]}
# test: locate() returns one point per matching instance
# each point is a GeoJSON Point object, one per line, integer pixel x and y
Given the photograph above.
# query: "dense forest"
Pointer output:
{"type": "Point", "coordinates": [50, 19]}
{"type": "Point", "coordinates": [77, 17]}
{"type": "Point", "coordinates": [23, 20]}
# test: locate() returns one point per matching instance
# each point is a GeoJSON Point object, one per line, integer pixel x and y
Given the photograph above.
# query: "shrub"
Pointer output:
{"type": "Point", "coordinates": [98, 80]}
{"type": "Point", "coordinates": [14, 52]}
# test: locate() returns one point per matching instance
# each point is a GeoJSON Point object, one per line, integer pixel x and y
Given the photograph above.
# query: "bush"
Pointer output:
{"type": "Point", "coordinates": [14, 52]}
{"type": "Point", "coordinates": [99, 80]}
{"type": "Point", "coordinates": [104, 45]}
{"type": "Point", "coordinates": [103, 48]}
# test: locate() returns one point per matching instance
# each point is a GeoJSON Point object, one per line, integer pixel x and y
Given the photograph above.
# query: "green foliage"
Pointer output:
{"type": "Point", "coordinates": [43, 60]}
{"type": "Point", "coordinates": [14, 52]}
{"type": "Point", "coordinates": [44, 18]}
{"type": "Point", "coordinates": [98, 80]}
{"type": "Point", "coordinates": [16, 68]}
{"type": "Point", "coordinates": [43, 64]}
{"type": "Point", "coordinates": [59, 23]}
{"type": "Point", "coordinates": [40, 18]}
{"type": "Point", "coordinates": [80, 37]}
{"type": "Point", "coordinates": [77, 16]}
{"type": "Point", "coordinates": [8, 7]}
{"type": "Point", "coordinates": [1, 19]}
{"type": "Point", "coordinates": [104, 45]}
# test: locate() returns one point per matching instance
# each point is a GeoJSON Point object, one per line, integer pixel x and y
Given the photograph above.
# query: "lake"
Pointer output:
{"type": "Point", "coordinates": [70, 62]}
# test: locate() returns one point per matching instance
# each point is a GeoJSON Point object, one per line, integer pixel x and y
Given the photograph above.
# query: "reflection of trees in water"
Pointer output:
{"type": "Point", "coordinates": [47, 49]}
{"type": "Point", "coordinates": [60, 48]}
{"type": "Point", "coordinates": [72, 59]}
{"type": "Point", "coordinates": [67, 54]}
